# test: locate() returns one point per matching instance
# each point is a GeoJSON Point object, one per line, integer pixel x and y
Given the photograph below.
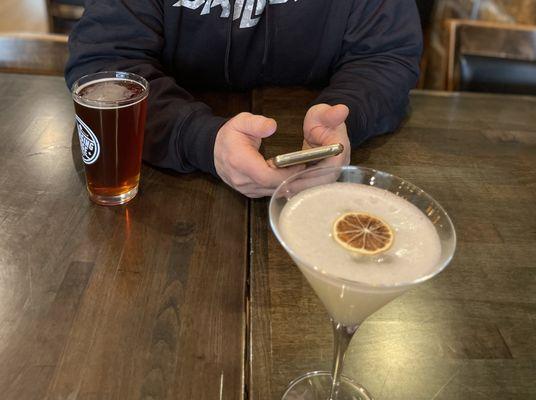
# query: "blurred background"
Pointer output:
{"type": "Point", "coordinates": [470, 45]}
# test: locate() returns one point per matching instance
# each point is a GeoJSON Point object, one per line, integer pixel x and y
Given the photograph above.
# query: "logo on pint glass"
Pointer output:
{"type": "Point", "coordinates": [89, 144]}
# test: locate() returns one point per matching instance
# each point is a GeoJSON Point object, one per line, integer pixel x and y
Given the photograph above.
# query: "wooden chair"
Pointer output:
{"type": "Point", "coordinates": [491, 57]}
{"type": "Point", "coordinates": [63, 14]}
{"type": "Point", "coordinates": [43, 54]}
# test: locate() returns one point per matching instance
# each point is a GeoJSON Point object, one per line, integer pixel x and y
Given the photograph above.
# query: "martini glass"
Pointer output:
{"type": "Point", "coordinates": [350, 302]}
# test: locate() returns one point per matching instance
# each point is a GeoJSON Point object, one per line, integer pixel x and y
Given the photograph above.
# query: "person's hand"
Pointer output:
{"type": "Point", "coordinates": [237, 158]}
{"type": "Point", "coordinates": [324, 125]}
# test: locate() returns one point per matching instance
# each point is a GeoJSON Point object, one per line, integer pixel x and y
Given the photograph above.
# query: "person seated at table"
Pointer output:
{"type": "Point", "coordinates": [364, 53]}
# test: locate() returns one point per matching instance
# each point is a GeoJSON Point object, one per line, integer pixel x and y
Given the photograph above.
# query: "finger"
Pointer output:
{"type": "Point", "coordinates": [306, 145]}
{"type": "Point", "coordinates": [256, 193]}
{"type": "Point", "coordinates": [334, 115]}
{"type": "Point", "coordinates": [256, 187]}
{"type": "Point", "coordinates": [238, 183]}
{"type": "Point", "coordinates": [337, 161]}
{"type": "Point", "coordinates": [270, 163]}
{"type": "Point", "coordinates": [254, 190]}
{"type": "Point", "coordinates": [254, 125]}
{"type": "Point", "coordinates": [256, 167]}
{"type": "Point", "coordinates": [273, 177]}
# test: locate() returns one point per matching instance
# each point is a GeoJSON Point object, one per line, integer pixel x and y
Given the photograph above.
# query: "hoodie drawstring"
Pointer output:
{"type": "Point", "coordinates": [228, 47]}
{"type": "Point", "coordinates": [266, 35]}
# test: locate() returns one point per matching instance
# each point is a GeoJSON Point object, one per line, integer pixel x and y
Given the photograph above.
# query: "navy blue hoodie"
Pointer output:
{"type": "Point", "coordinates": [365, 53]}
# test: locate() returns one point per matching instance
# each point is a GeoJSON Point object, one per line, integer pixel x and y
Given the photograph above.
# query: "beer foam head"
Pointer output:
{"type": "Point", "coordinates": [110, 90]}
{"type": "Point", "coordinates": [110, 93]}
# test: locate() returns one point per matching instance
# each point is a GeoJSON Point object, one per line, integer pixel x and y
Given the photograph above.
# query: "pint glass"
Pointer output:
{"type": "Point", "coordinates": [110, 120]}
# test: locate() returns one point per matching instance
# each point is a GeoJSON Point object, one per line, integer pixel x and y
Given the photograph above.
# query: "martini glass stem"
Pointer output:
{"type": "Point", "coordinates": [342, 335]}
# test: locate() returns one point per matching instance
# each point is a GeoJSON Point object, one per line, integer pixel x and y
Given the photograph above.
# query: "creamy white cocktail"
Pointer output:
{"type": "Point", "coordinates": [361, 238]}
{"type": "Point", "coordinates": [353, 285]}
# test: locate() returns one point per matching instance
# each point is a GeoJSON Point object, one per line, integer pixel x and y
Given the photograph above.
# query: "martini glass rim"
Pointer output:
{"type": "Point", "coordinates": [325, 274]}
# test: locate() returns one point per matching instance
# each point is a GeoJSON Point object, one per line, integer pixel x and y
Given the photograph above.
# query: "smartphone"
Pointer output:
{"type": "Point", "coordinates": [307, 156]}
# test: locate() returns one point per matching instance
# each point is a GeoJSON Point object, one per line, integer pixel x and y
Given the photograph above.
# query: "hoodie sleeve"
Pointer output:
{"type": "Point", "coordinates": [377, 67]}
{"type": "Point", "coordinates": [128, 36]}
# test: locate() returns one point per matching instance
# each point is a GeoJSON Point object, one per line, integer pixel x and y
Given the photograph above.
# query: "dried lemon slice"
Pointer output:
{"type": "Point", "coordinates": [362, 233]}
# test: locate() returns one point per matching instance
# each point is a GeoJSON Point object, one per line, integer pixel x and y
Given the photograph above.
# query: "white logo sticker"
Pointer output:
{"type": "Point", "coordinates": [89, 144]}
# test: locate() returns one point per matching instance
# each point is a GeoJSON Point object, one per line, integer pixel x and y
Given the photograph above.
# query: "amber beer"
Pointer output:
{"type": "Point", "coordinates": [110, 120]}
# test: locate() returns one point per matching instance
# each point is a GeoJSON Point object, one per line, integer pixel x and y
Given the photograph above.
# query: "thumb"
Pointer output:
{"type": "Point", "coordinates": [334, 115]}
{"type": "Point", "coordinates": [254, 125]}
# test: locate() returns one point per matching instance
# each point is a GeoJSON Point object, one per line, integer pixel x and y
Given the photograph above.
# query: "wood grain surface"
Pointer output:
{"type": "Point", "coordinates": [23, 16]}
{"type": "Point", "coordinates": [143, 301]}
{"type": "Point", "coordinates": [468, 334]}
{"type": "Point", "coordinates": [30, 53]}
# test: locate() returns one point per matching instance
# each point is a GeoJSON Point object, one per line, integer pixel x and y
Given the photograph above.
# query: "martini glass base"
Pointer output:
{"type": "Point", "coordinates": [317, 385]}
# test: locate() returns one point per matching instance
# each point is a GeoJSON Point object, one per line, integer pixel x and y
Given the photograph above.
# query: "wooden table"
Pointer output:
{"type": "Point", "coordinates": [470, 333]}
{"type": "Point", "coordinates": [144, 301]}
{"type": "Point", "coordinates": [32, 53]}
{"type": "Point", "coordinates": [185, 294]}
